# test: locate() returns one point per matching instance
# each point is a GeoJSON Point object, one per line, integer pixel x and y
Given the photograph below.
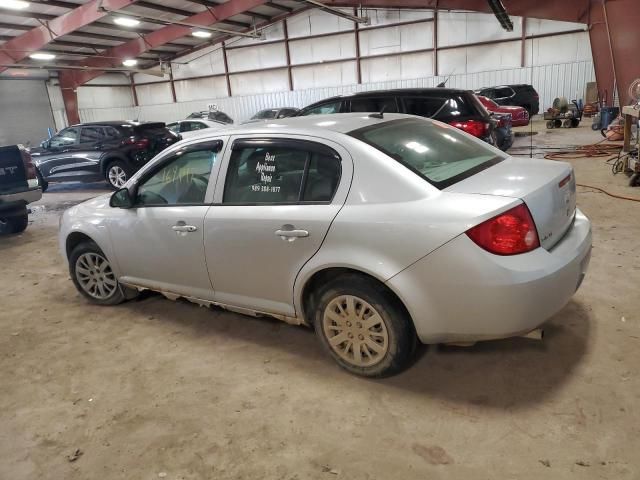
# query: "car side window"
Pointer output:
{"type": "Point", "coordinates": [111, 133]}
{"type": "Point", "coordinates": [372, 104]}
{"type": "Point", "coordinates": [91, 134]}
{"type": "Point", "coordinates": [325, 108]}
{"type": "Point", "coordinates": [174, 127]}
{"type": "Point", "coordinates": [198, 125]}
{"type": "Point", "coordinates": [181, 181]}
{"type": "Point", "coordinates": [65, 138]}
{"type": "Point", "coordinates": [262, 172]}
{"type": "Point", "coordinates": [503, 92]}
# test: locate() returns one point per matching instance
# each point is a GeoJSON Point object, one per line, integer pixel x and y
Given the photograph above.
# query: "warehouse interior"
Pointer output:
{"type": "Point", "coordinates": [191, 384]}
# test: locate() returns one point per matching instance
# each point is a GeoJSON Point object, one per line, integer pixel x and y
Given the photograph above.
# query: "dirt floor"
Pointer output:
{"type": "Point", "coordinates": [161, 389]}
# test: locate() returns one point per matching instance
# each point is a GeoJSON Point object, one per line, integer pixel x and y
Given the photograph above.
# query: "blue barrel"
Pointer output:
{"type": "Point", "coordinates": [608, 115]}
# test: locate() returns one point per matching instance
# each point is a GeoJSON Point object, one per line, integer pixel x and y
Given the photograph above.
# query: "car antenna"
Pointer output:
{"type": "Point", "coordinates": [443, 84]}
{"type": "Point", "coordinates": [380, 114]}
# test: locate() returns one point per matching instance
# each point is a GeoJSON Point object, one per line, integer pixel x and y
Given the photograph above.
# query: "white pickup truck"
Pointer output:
{"type": "Point", "coordinates": [19, 186]}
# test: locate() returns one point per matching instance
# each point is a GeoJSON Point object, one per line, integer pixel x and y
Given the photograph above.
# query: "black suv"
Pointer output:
{"type": "Point", "coordinates": [520, 95]}
{"type": "Point", "coordinates": [459, 108]}
{"type": "Point", "coordinates": [111, 151]}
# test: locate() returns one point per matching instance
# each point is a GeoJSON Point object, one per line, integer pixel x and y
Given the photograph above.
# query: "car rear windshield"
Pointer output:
{"type": "Point", "coordinates": [263, 114]}
{"type": "Point", "coordinates": [440, 154]}
{"type": "Point", "coordinates": [441, 107]}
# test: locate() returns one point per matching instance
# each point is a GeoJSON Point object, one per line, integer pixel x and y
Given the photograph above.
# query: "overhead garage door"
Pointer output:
{"type": "Point", "coordinates": [25, 112]}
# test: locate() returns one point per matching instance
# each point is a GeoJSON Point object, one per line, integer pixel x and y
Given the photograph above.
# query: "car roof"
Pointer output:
{"type": "Point", "coordinates": [395, 91]}
{"type": "Point", "coordinates": [309, 125]}
{"type": "Point", "coordinates": [112, 123]}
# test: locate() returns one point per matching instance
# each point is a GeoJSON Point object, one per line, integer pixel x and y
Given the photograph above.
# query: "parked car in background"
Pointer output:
{"type": "Point", "coordinates": [271, 113]}
{"type": "Point", "coordinates": [504, 133]}
{"type": "Point", "coordinates": [375, 230]}
{"type": "Point", "coordinates": [215, 115]}
{"type": "Point", "coordinates": [111, 151]}
{"type": "Point", "coordinates": [18, 187]}
{"type": "Point", "coordinates": [189, 128]}
{"type": "Point", "coordinates": [519, 115]}
{"type": "Point", "coordinates": [459, 108]}
{"type": "Point", "coordinates": [521, 95]}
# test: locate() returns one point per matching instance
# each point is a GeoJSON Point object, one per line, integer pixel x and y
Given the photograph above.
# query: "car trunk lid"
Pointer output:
{"type": "Point", "coordinates": [548, 188]}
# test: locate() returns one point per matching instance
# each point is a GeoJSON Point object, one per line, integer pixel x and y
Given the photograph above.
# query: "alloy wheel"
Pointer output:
{"type": "Point", "coordinates": [355, 331]}
{"type": "Point", "coordinates": [95, 276]}
{"type": "Point", "coordinates": [117, 176]}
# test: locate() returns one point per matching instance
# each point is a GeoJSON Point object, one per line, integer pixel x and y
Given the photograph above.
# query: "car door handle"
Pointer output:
{"type": "Point", "coordinates": [184, 228]}
{"type": "Point", "coordinates": [292, 233]}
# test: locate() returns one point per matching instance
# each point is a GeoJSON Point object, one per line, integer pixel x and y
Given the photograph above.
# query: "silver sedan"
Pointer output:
{"type": "Point", "coordinates": [376, 230]}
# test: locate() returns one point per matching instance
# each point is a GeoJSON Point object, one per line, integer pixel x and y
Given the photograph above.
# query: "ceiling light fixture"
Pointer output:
{"type": "Point", "coordinates": [130, 62]}
{"type": "Point", "coordinates": [14, 4]}
{"type": "Point", "coordinates": [201, 34]}
{"type": "Point", "coordinates": [126, 21]}
{"type": "Point", "coordinates": [42, 56]}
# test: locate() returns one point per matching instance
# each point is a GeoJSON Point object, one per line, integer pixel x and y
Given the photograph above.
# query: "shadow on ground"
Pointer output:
{"type": "Point", "coordinates": [503, 374]}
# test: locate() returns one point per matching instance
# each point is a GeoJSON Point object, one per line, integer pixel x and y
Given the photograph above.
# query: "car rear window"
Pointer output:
{"type": "Point", "coordinates": [441, 154]}
{"type": "Point", "coordinates": [442, 107]}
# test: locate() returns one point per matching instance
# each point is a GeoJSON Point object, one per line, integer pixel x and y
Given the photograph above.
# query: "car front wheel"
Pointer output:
{"type": "Point", "coordinates": [117, 174]}
{"type": "Point", "coordinates": [363, 327]}
{"type": "Point", "coordinates": [93, 276]}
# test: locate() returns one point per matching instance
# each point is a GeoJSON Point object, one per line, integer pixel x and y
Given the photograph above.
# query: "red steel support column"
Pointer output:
{"type": "Point", "coordinates": [70, 98]}
{"type": "Point", "coordinates": [356, 32]}
{"type": "Point", "coordinates": [226, 69]}
{"type": "Point", "coordinates": [622, 37]}
{"type": "Point", "coordinates": [600, 49]}
{"type": "Point", "coordinates": [287, 52]}
{"type": "Point", "coordinates": [435, 40]}
{"type": "Point", "coordinates": [523, 44]}
{"type": "Point", "coordinates": [134, 94]}
{"type": "Point", "coordinates": [172, 84]}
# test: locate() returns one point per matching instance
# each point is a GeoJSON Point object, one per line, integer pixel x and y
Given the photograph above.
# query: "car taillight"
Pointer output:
{"type": "Point", "coordinates": [29, 167]}
{"type": "Point", "coordinates": [140, 143]}
{"type": "Point", "coordinates": [473, 127]}
{"type": "Point", "coordinates": [509, 233]}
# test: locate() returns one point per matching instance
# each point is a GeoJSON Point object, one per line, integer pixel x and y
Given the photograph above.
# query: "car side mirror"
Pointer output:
{"type": "Point", "coordinates": [121, 199]}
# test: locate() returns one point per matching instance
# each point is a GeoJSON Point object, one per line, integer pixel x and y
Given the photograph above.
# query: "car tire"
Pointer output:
{"type": "Point", "coordinates": [44, 185]}
{"type": "Point", "coordinates": [344, 307]}
{"type": "Point", "coordinates": [14, 223]}
{"type": "Point", "coordinates": [117, 173]}
{"type": "Point", "coordinates": [94, 278]}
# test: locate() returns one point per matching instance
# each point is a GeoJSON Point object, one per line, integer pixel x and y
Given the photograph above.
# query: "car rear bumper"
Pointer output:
{"type": "Point", "coordinates": [461, 293]}
{"type": "Point", "coordinates": [20, 199]}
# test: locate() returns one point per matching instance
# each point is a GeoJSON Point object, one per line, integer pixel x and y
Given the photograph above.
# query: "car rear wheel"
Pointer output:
{"type": "Point", "coordinates": [117, 174]}
{"type": "Point", "coordinates": [93, 276]}
{"type": "Point", "coordinates": [14, 223]}
{"type": "Point", "coordinates": [363, 327]}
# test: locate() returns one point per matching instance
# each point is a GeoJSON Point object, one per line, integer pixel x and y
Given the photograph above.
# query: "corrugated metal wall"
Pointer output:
{"type": "Point", "coordinates": [394, 54]}
{"type": "Point", "coordinates": [568, 80]}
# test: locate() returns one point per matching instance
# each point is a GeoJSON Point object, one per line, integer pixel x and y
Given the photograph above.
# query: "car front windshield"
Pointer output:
{"type": "Point", "coordinates": [441, 154]}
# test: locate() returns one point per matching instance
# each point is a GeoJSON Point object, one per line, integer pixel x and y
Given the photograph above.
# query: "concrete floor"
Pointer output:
{"type": "Point", "coordinates": [161, 389]}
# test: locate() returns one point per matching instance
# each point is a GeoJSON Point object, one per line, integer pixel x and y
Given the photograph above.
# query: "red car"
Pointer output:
{"type": "Point", "coordinates": [519, 115]}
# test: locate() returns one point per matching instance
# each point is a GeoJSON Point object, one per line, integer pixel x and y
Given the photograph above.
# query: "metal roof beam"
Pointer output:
{"type": "Point", "coordinates": [36, 38]}
{"type": "Point", "coordinates": [162, 36]}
